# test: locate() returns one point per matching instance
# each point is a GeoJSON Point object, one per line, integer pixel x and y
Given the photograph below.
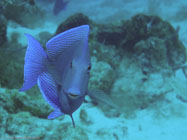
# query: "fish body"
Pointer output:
{"type": "Point", "coordinates": [62, 73]}
{"type": "Point", "coordinates": [59, 5]}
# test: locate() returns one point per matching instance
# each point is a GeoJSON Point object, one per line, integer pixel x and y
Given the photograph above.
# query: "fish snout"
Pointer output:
{"type": "Point", "coordinates": [73, 93]}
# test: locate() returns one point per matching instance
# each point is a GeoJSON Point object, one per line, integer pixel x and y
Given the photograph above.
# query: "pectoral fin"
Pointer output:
{"type": "Point", "coordinates": [99, 96]}
{"type": "Point", "coordinates": [49, 90]}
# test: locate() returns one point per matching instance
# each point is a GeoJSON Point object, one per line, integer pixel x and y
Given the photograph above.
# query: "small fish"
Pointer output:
{"type": "Point", "coordinates": [62, 73]}
{"type": "Point", "coordinates": [59, 6]}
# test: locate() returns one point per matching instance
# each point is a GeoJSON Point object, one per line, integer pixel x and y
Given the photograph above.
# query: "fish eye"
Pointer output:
{"type": "Point", "coordinates": [71, 64]}
{"type": "Point", "coordinates": [89, 67]}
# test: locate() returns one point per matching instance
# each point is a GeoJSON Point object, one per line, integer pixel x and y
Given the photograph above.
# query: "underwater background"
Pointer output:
{"type": "Point", "coordinates": [139, 69]}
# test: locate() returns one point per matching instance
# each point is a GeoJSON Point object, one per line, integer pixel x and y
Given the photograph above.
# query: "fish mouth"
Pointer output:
{"type": "Point", "coordinates": [72, 95]}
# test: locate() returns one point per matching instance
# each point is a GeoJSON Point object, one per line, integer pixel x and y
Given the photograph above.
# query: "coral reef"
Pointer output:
{"type": "Point", "coordinates": [142, 27]}
{"type": "Point", "coordinates": [25, 114]}
{"type": "Point", "coordinates": [151, 55]}
{"type": "Point", "coordinates": [23, 12]}
{"type": "Point", "coordinates": [129, 35]}
{"type": "Point", "coordinates": [132, 62]}
{"type": "Point", "coordinates": [133, 58]}
{"type": "Point", "coordinates": [110, 34]}
{"type": "Point", "coordinates": [14, 101]}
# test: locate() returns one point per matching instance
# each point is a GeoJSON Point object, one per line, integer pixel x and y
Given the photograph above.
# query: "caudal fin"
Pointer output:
{"type": "Point", "coordinates": [34, 63]}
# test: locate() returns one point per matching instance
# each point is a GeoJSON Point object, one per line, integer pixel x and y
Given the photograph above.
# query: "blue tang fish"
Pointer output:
{"type": "Point", "coordinates": [62, 73]}
{"type": "Point", "coordinates": [59, 5]}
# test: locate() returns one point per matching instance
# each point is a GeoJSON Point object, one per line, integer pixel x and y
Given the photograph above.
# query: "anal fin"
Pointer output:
{"type": "Point", "coordinates": [55, 114]}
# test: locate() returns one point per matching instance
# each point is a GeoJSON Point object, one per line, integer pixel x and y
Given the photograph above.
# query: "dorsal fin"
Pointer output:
{"type": "Point", "coordinates": [74, 37]}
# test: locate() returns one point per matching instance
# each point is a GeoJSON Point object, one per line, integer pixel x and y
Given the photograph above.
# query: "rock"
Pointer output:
{"type": "Point", "coordinates": [73, 21]}
{"type": "Point", "coordinates": [142, 27]}
{"type": "Point", "coordinates": [84, 117]}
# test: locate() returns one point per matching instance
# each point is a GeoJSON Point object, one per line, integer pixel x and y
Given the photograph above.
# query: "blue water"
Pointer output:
{"type": "Point", "coordinates": [138, 73]}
